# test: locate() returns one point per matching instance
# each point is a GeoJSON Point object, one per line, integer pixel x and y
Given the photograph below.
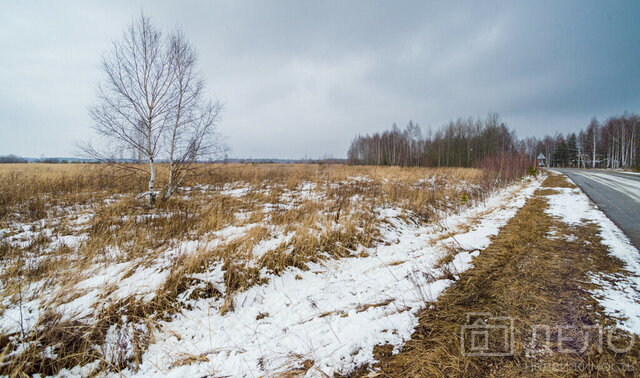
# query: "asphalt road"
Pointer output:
{"type": "Point", "coordinates": [617, 194]}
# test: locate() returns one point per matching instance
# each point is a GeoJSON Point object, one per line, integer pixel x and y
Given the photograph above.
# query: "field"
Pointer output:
{"type": "Point", "coordinates": [253, 269]}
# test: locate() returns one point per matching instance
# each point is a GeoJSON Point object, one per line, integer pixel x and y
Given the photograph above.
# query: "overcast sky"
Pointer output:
{"type": "Point", "coordinates": [301, 78]}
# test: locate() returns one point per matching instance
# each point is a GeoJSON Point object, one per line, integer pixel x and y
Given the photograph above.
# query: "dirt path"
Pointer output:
{"type": "Point", "coordinates": [536, 288]}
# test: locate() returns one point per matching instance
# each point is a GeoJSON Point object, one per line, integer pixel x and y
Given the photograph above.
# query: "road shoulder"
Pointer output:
{"type": "Point", "coordinates": [616, 194]}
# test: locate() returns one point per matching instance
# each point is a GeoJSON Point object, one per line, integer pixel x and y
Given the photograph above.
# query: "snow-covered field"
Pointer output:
{"type": "Point", "coordinates": [334, 313]}
{"type": "Point", "coordinates": [243, 276]}
{"type": "Point", "coordinates": [619, 295]}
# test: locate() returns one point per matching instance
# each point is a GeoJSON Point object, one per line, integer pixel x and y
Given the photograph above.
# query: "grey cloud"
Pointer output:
{"type": "Point", "coordinates": [302, 78]}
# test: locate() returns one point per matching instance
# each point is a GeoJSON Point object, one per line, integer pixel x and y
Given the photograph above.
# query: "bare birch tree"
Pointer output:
{"type": "Point", "coordinates": [152, 103]}
{"type": "Point", "coordinates": [593, 127]}
{"type": "Point", "coordinates": [192, 132]}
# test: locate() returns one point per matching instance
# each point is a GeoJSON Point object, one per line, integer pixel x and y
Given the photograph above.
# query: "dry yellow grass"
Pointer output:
{"type": "Point", "coordinates": [224, 214]}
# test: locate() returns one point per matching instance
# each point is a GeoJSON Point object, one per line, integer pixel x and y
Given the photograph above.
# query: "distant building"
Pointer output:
{"type": "Point", "coordinates": [541, 160]}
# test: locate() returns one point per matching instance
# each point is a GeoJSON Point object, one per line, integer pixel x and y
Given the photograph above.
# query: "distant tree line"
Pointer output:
{"type": "Point", "coordinates": [470, 142]}
{"type": "Point", "coordinates": [463, 143]}
{"type": "Point", "coordinates": [12, 159]}
{"type": "Point", "coordinates": [612, 144]}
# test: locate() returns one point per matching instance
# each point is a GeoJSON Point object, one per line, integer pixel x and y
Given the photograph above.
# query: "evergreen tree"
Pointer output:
{"type": "Point", "coordinates": [560, 155]}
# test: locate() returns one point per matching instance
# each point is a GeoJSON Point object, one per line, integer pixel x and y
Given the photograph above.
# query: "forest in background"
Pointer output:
{"type": "Point", "coordinates": [611, 144]}
{"type": "Point", "coordinates": [469, 142]}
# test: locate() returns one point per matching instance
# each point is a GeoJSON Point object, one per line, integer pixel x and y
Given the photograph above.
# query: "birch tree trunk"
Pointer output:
{"type": "Point", "coordinates": [152, 181]}
{"type": "Point", "coordinates": [593, 164]}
